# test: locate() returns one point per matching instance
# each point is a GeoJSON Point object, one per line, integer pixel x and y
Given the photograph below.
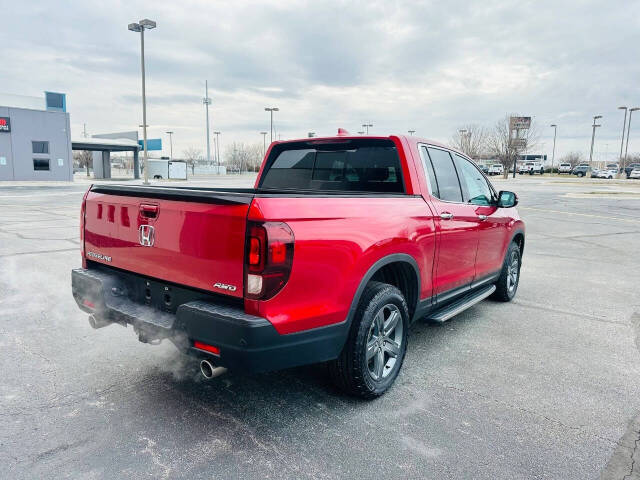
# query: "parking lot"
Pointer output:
{"type": "Point", "coordinates": [543, 387]}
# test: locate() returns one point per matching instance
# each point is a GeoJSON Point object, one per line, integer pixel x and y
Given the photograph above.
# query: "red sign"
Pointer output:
{"type": "Point", "coordinates": [5, 124]}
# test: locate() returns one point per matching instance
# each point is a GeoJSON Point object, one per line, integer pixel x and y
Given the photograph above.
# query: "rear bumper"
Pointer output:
{"type": "Point", "coordinates": [245, 342]}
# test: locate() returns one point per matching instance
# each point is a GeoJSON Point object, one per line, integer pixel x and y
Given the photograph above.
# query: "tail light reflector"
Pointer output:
{"type": "Point", "coordinates": [206, 348]}
{"type": "Point", "coordinates": [268, 258]}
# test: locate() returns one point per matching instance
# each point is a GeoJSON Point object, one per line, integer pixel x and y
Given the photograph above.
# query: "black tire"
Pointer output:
{"type": "Point", "coordinates": [505, 289]}
{"type": "Point", "coordinates": [351, 370]}
{"type": "Point", "coordinates": [531, 172]}
{"type": "Point", "coordinates": [580, 174]}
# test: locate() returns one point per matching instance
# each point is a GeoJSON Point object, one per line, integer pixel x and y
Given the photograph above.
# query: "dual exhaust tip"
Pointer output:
{"type": "Point", "coordinates": [209, 370]}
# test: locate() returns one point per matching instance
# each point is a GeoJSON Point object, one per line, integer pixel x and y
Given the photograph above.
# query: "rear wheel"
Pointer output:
{"type": "Point", "coordinates": [377, 343]}
{"type": "Point", "coordinates": [507, 283]}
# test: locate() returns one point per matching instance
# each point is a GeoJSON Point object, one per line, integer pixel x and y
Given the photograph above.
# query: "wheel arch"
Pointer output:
{"type": "Point", "coordinates": [400, 270]}
{"type": "Point", "coordinates": [518, 237]}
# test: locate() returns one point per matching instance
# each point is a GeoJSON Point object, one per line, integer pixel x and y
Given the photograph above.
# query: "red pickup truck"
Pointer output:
{"type": "Point", "coordinates": [343, 242]}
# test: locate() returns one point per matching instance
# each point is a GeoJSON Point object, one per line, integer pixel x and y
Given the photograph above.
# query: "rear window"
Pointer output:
{"type": "Point", "coordinates": [351, 165]}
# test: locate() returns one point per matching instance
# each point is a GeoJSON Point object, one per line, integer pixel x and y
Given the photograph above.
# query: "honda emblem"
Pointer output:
{"type": "Point", "coordinates": [147, 235]}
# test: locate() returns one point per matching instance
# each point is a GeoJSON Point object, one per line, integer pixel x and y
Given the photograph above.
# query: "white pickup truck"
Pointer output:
{"type": "Point", "coordinates": [496, 169]}
{"type": "Point", "coordinates": [531, 168]}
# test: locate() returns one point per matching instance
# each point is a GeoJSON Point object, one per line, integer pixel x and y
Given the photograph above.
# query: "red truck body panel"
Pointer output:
{"type": "Point", "coordinates": [338, 238]}
{"type": "Point", "coordinates": [195, 244]}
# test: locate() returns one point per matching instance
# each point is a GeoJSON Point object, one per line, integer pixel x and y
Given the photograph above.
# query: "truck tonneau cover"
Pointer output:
{"type": "Point", "coordinates": [184, 194]}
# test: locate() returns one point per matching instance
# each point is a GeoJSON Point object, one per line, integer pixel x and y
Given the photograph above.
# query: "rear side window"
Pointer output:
{"type": "Point", "coordinates": [350, 166]}
{"type": "Point", "coordinates": [446, 176]}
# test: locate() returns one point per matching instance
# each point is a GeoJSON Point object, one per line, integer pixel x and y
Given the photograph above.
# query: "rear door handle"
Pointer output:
{"type": "Point", "coordinates": [446, 216]}
{"type": "Point", "coordinates": [482, 218]}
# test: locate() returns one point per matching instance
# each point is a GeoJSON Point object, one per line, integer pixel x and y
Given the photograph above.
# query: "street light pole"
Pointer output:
{"type": "Point", "coordinates": [140, 27]}
{"type": "Point", "coordinates": [593, 137]}
{"type": "Point", "coordinates": [463, 133]}
{"type": "Point", "coordinates": [170, 144]}
{"type": "Point", "coordinates": [207, 101]}
{"type": "Point", "coordinates": [264, 143]}
{"type": "Point", "coordinates": [217, 150]}
{"type": "Point", "coordinates": [367, 125]}
{"type": "Point", "coordinates": [411, 132]}
{"type": "Point", "coordinates": [624, 125]}
{"type": "Point", "coordinates": [553, 155]}
{"type": "Point", "coordinates": [626, 149]}
{"type": "Point", "coordinates": [271, 110]}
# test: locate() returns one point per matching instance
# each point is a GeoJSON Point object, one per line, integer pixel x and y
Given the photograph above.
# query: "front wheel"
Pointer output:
{"type": "Point", "coordinates": [373, 354]}
{"type": "Point", "coordinates": [507, 283]}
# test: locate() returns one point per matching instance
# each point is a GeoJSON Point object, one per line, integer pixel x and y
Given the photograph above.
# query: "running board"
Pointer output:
{"type": "Point", "coordinates": [462, 304]}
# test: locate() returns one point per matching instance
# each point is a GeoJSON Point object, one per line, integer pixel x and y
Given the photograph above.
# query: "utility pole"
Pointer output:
{"type": "Point", "coordinates": [553, 155]}
{"type": "Point", "coordinates": [366, 126]}
{"type": "Point", "coordinates": [140, 27]}
{"type": "Point", "coordinates": [593, 137]}
{"type": "Point", "coordinates": [207, 101]}
{"type": "Point", "coordinates": [271, 110]}
{"type": "Point", "coordinates": [170, 145]}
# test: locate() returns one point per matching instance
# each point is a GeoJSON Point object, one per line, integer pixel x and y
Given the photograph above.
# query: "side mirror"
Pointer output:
{"type": "Point", "coordinates": [507, 199]}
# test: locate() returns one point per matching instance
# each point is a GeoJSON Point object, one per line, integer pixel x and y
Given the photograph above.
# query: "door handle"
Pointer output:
{"type": "Point", "coordinates": [482, 218]}
{"type": "Point", "coordinates": [446, 216]}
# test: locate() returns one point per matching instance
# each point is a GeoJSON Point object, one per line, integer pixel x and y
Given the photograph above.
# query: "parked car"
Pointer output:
{"type": "Point", "coordinates": [329, 258]}
{"type": "Point", "coordinates": [484, 169]}
{"type": "Point", "coordinates": [580, 170]}
{"type": "Point", "coordinates": [613, 166]}
{"type": "Point", "coordinates": [531, 168]}
{"type": "Point", "coordinates": [564, 168]}
{"type": "Point", "coordinates": [629, 168]}
{"type": "Point", "coordinates": [496, 169]}
{"type": "Point", "coordinates": [606, 173]}
{"type": "Point", "coordinates": [635, 173]}
{"type": "Point", "coordinates": [595, 172]}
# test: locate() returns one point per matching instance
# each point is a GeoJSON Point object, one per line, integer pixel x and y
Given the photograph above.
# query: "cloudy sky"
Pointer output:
{"type": "Point", "coordinates": [427, 66]}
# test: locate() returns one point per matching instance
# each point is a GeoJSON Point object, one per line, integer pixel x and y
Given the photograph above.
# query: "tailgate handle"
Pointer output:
{"type": "Point", "coordinates": [148, 211]}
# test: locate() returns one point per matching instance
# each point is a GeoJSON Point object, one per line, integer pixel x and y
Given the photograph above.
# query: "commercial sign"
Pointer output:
{"type": "Point", "coordinates": [519, 123]}
{"type": "Point", "coordinates": [519, 143]}
{"type": "Point", "coordinates": [5, 124]}
{"type": "Point", "coordinates": [152, 144]}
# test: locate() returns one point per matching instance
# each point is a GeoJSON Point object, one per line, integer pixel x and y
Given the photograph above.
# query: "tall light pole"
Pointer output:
{"type": "Point", "coordinates": [207, 101]}
{"type": "Point", "coordinates": [624, 125]}
{"type": "Point", "coordinates": [411, 132]}
{"type": "Point", "coordinates": [217, 134]}
{"type": "Point", "coordinates": [264, 143]}
{"type": "Point", "coordinates": [170, 144]}
{"type": "Point", "coordinates": [626, 149]}
{"type": "Point", "coordinates": [141, 26]}
{"type": "Point", "coordinates": [271, 110]}
{"type": "Point", "coordinates": [553, 155]}
{"type": "Point", "coordinates": [593, 136]}
{"type": "Point", "coordinates": [366, 126]}
{"type": "Point", "coordinates": [463, 133]}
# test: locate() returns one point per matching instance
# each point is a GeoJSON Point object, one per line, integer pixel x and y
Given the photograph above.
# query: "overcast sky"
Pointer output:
{"type": "Point", "coordinates": [427, 66]}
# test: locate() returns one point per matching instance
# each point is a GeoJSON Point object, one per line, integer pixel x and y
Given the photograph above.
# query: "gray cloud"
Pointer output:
{"type": "Point", "coordinates": [430, 66]}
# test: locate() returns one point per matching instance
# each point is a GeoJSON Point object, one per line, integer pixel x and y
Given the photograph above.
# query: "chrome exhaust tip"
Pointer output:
{"type": "Point", "coordinates": [97, 322]}
{"type": "Point", "coordinates": [209, 370]}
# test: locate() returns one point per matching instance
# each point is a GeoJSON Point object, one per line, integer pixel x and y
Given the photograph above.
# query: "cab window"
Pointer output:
{"type": "Point", "coordinates": [476, 188]}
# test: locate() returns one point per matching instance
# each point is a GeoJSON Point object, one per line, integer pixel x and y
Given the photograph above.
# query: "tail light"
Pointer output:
{"type": "Point", "coordinates": [83, 210]}
{"type": "Point", "coordinates": [268, 258]}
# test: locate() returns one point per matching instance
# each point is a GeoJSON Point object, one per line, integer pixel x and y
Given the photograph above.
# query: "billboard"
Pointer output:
{"type": "Point", "coordinates": [152, 144]}
{"type": "Point", "coordinates": [519, 123]}
{"type": "Point", "coordinates": [5, 124]}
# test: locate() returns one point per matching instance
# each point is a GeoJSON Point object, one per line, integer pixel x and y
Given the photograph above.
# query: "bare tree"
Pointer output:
{"type": "Point", "coordinates": [505, 147]}
{"type": "Point", "coordinates": [254, 157]}
{"type": "Point", "coordinates": [84, 159]}
{"type": "Point", "coordinates": [471, 139]}
{"type": "Point", "coordinates": [574, 158]}
{"type": "Point", "coordinates": [191, 155]}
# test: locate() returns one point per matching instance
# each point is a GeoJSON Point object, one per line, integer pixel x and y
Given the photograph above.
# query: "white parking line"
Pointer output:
{"type": "Point", "coordinates": [590, 215]}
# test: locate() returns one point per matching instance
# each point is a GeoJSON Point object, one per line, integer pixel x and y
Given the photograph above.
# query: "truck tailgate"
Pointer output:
{"type": "Point", "coordinates": [185, 236]}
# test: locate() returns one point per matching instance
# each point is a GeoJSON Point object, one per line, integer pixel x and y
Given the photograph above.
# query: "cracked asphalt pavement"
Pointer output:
{"type": "Point", "coordinates": [546, 386]}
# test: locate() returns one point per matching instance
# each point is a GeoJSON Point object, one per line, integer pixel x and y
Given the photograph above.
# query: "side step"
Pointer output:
{"type": "Point", "coordinates": [453, 309]}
